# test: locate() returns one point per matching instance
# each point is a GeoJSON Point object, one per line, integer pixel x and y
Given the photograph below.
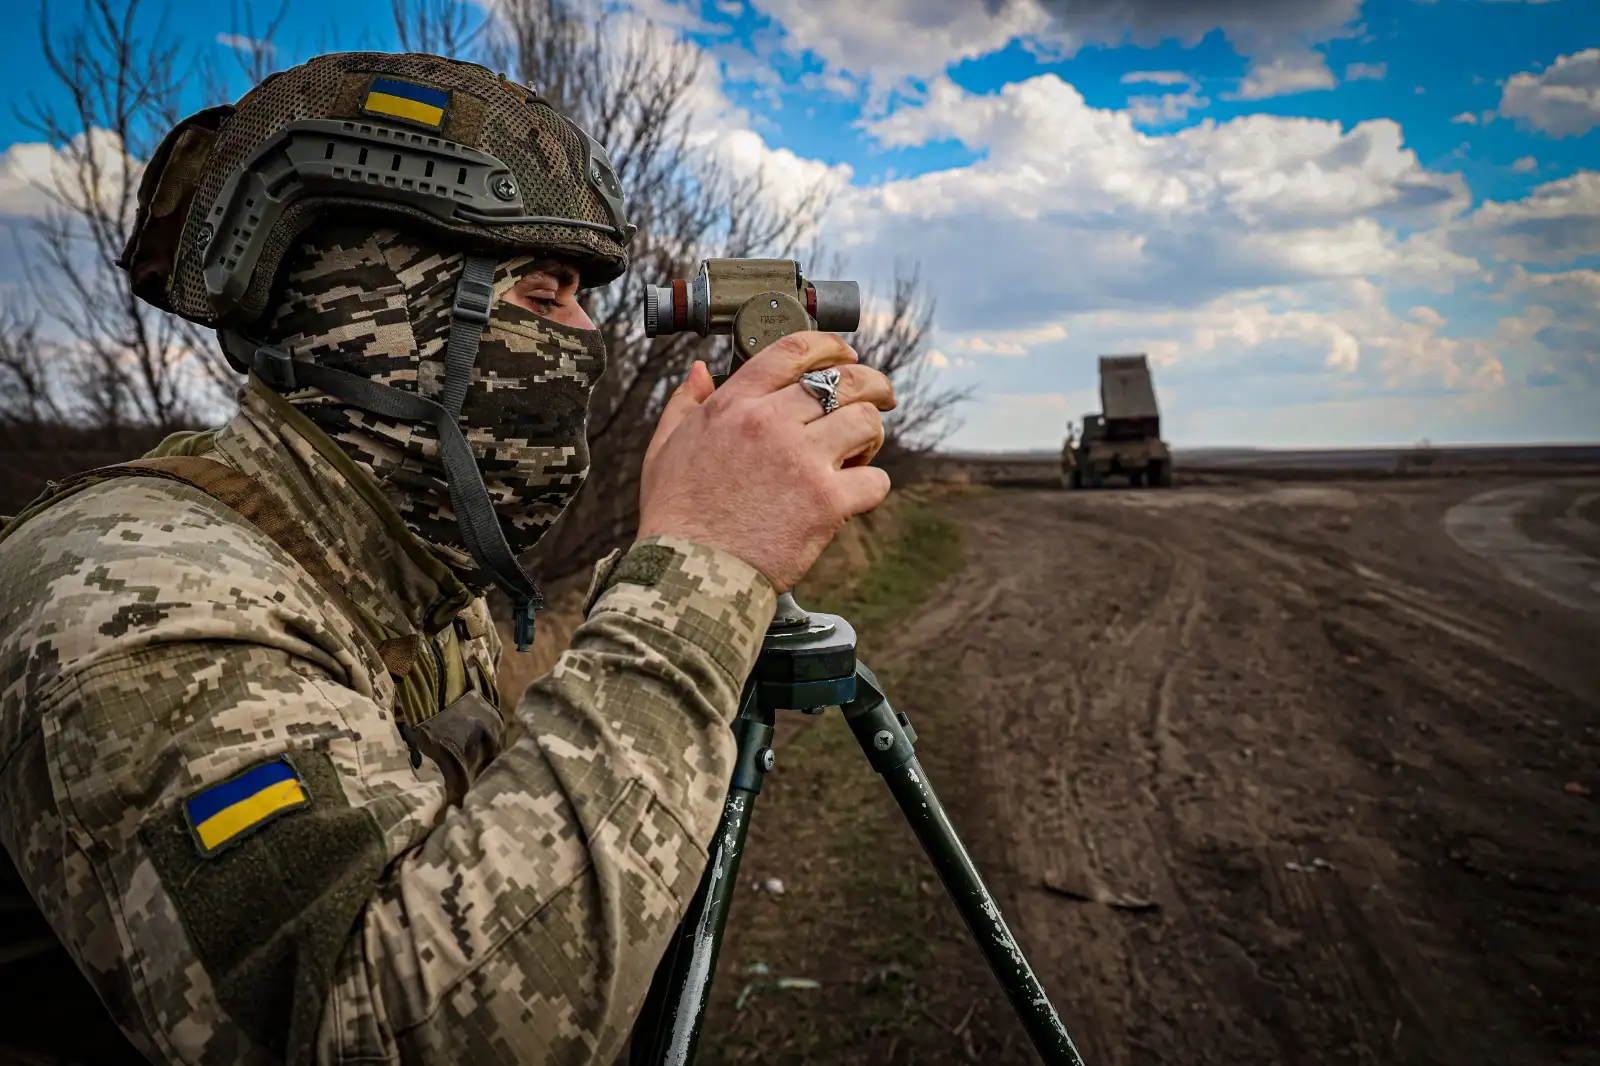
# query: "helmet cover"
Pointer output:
{"type": "Point", "coordinates": [416, 141]}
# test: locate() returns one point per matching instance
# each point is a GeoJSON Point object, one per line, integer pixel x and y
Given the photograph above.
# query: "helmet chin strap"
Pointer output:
{"type": "Point", "coordinates": [480, 529]}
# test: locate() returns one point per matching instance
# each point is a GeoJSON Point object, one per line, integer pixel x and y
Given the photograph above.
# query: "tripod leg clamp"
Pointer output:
{"type": "Point", "coordinates": [885, 735]}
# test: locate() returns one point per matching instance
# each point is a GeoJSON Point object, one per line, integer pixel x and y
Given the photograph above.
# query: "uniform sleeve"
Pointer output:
{"type": "Point", "coordinates": [202, 788]}
{"type": "Point", "coordinates": [527, 926]}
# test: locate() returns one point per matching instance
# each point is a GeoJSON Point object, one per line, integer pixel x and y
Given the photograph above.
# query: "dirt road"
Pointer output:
{"type": "Point", "coordinates": [1285, 774]}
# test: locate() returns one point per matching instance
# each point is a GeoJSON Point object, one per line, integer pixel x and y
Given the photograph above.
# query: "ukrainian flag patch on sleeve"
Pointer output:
{"type": "Point", "coordinates": [225, 812]}
{"type": "Point", "coordinates": [407, 101]}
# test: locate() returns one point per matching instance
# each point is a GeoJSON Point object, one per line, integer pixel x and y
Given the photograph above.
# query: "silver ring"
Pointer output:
{"type": "Point", "coordinates": [824, 385]}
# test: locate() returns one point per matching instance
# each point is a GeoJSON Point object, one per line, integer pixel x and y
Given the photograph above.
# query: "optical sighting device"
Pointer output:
{"type": "Point", "coordinates": [752, 301]}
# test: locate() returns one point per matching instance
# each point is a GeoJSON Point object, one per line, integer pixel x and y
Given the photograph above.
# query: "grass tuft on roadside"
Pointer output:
{"type": "Point", "coordinates": [924, 551]}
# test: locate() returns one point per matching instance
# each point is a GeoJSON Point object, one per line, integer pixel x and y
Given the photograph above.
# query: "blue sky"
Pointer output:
{"type": "Point", "coordinates": [1330, 222]}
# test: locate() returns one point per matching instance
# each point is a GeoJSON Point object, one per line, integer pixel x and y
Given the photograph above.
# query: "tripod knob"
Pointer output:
{"type": "Point", "coordinates": [789, 615]}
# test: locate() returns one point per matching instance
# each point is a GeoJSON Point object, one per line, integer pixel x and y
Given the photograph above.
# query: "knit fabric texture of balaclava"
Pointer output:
{"type": "Point", "coordinates": [376, 303]}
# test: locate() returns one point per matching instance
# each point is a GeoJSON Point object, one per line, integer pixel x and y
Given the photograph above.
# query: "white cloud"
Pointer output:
{"type": "Point", "coordinates": [1159, 77]}
{"type": "Point", "coordinates": [892, 41]}
{"type": "Point", "coordinates": [1366, 71]}
{"type": "Point", "coordinates": [1263, 247]}
{"type": "Point", "coordinates": [1560, 328]}
{"type": "Point", "coordinates": [837, 82]}
{"type": "Point", "coordinates": [31, 171]}
{"type": "Point", "coordinates": [1007, 342]}
{"type": "Point", "coordinates": [1466, 118]}
{"type": "Point", "coordinates": [1255, 26]}
{"type": "Point", "coordinates": [1295, 72]}
{"type": "Point", "coordinates": [715, 125]}
{"type": "Point", "coordinates": [1556, 223]}
{"type": "Point", "coordinates": [249, 45]}
{"type": "Point", "coordinates": [1349, 336]}
{"type": "Point", "coordinates": [1258, 369]}
{"type": "Point", "coordinates": [1252, 258]}
{"type": "Point", "coordinates": [24, 168]}
{"type": "Point", "coordinates": [1165, 109]}
{"type": "Point", "coordinates": [1074, 207]}
{"type": "Point", "coordinates": [1526, 165]}
{"type": "Point", "coordinates": [1565, 288]}
{"type": "Point", "coordinates": [1563, 100]}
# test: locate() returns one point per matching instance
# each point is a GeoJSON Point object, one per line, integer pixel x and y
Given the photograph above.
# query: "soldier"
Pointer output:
{"type": "Point", "coordinates": [252, 771]}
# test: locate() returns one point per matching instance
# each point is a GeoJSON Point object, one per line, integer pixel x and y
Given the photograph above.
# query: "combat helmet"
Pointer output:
{"type": "Point", "coordinates": [418, 141]}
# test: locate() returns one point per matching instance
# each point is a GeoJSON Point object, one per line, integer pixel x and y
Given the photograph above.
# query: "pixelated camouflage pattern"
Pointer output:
{"type": "Point", "coordinates": [376, 303]}
{"type": "Point", "coordinates": [154, 643]}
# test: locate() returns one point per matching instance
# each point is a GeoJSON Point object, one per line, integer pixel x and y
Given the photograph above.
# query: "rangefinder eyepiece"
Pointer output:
{"type": "Point", "coordinates": [708, 303]}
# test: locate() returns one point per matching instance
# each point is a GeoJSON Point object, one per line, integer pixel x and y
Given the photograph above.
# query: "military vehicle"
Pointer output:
{"type": "Point", "coordinates": [1124, 439]}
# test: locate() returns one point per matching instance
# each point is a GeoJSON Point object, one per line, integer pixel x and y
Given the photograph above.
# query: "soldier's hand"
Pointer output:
{"type": "Point", "coordinates": [755, 468]}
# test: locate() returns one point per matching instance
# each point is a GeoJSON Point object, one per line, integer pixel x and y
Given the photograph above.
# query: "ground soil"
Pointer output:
{"type": "Point", "coordinates": [1259, 773]}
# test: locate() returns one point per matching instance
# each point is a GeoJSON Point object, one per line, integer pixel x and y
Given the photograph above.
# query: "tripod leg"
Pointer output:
{"type": "Point", "coordinates": [888, 740]}
{"type": "Point", "coordinates": [668, 1028]}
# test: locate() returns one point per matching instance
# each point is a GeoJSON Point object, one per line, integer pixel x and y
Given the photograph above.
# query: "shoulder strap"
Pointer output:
{"type": "Point", "coordinates": [252, 502]}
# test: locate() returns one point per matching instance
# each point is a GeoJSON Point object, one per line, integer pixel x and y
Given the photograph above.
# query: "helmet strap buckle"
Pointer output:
{"type": "Point", "coordinates": [473, 301]}
{"type": "Point", "coordinates": [275, 367]}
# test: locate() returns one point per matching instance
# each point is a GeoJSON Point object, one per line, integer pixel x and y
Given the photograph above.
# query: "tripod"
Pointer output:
{"type": "Point", "coordinates": [808, 663]}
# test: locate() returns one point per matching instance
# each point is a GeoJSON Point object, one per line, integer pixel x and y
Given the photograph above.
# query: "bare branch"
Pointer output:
{"type": "Point", "coordinates": [896, 342]}
{"type": "Point", "coordinates": [442, 27]}
{"type": "Point", "coordinates": [122, 87]}
{"type": "Point", "coordinates": [27, 396]}
{"type": "Point", "coordinates": [257, 53]}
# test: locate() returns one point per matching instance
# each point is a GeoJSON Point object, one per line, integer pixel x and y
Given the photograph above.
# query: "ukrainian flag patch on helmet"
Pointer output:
{"type": "Point", "coordinates": [404, 100]}
{"type": "Point", "coordinates": [225, 812]}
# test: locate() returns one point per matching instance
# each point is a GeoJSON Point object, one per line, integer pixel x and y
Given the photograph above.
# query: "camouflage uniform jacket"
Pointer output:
{"type": "Point", "coordinates": [157, 650]}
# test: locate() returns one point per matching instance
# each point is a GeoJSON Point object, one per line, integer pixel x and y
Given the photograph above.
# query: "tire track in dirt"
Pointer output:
{"type": "Point", "coordinates": [1536, 534]}
{"type": "Point", "coordinates": [1050, 841]}
{"type": "Point", "coordinates": [1167, 704]}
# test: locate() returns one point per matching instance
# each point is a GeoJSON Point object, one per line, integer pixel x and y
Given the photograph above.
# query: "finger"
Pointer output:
{"type": "Point", "coordinates": [850, 431]}
{"type": "Point", "coordinates": [701, 379]}
{"type": "Point", "coordinates": [857, 383]}
{"type": "Point", "coordinates": [860, 489]}
{"type": "Point", "coordinates": [782, 362]}
{"type": "Point", "coordinates": [684, 399]}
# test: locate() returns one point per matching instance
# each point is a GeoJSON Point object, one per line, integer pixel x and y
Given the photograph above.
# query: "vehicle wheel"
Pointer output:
{"type": "Point", "coordinates": [1161, 474]}
{"type": "Point", "coordinates": [1135, 478]}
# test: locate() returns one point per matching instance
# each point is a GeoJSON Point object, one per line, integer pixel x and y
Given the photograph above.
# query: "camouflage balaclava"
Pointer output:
{"type": "Point", "coordinates": [376, 303]}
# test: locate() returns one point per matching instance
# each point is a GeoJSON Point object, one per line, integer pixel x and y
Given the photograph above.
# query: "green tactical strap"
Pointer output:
{"type": "Point", "coordinates": [187, 442]}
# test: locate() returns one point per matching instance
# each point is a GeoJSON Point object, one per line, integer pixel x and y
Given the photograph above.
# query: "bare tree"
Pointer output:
{"type": "Point", "coordinates": [441, 27]}
{"type": "Point", "coordinates": [27, 394]}
{"type": "Point", "coordinates": [123, 83]}
{"type": "Point", "coordinates": [256, 51]}
{"type": "Point", "coordinates": [896, 342]}
{"type": "Point", "coordinates": [634, 90]}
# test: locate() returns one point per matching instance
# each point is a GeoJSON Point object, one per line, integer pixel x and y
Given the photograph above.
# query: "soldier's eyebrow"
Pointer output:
{"type": "Point", "coordinates": [562, 274]}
